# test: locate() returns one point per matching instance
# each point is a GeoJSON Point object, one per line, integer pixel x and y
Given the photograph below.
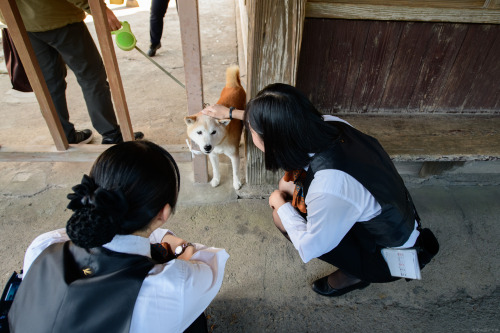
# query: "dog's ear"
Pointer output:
{"type": "Point", "coordinates": [190, 119]}
{"type": "Point", "coordinates": [224, 122]}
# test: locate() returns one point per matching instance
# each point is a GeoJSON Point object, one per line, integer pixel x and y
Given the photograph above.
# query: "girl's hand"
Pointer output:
{"type": "Point", "coordinates": [217, 111]}
{"type": "Point", "coordinates": [174, 241]}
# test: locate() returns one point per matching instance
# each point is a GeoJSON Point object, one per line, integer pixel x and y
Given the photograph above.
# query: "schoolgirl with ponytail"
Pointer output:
{"type": "Point", "coordinates": [113, 269]}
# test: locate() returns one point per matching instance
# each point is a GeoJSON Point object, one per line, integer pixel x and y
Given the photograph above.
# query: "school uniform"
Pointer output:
{"type": "Point", "coordinates": [356, 203]}
{"type": "Point", "coordinates": [130, 293]}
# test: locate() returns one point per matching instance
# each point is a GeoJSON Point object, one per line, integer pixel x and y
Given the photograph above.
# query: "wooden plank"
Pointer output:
{"type": "Point", "coordinates": [74, 153]}
{"type": "Point", "coordinates": [467, 69]}
{"type": "Point", "coordinates": [400, 66]}
{"type": "Point", "coordinates": [378, 56]}
{"type": "Point", "coordinates": [98, 9]}
{"type": "Point", "coordinates": [394, 13]}
{"type": "Point", "coordinates": [433, 137]}
{"type": "Point", "coordinates": [21, 40]}
{"type": "Point", "coordinates": [274, 42]}
{"type": "Point", "coordinates": [492, 4]}
{"type": "Point", "coordinates": [244, 28]}
{"type": "Point", "coordinates": [485, 92]}
{"type": "Point", "coordinates": [401, 82]}
{"type": "Point", "coordinates": [458, 4]}
{"type": "Point", "coordinates": [444, 43]}
{"type": "Point", "coordinates": [330, 61]}
{"type": "Point", "coordinates": [275, 34]}
{"type": "Point", "coordinates": [191, 51]}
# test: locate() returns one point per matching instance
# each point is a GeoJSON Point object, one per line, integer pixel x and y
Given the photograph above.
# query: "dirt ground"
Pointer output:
{"type": "Point", "coordinates": [156, 103]}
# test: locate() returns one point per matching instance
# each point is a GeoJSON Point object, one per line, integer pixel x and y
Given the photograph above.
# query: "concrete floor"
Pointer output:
{"type": "Point", "coordinates": [266, 286]}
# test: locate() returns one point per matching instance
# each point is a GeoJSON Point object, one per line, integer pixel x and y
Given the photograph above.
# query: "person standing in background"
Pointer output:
{"type": "Point", "coordinates": [157, 14]}
{"type": "Point", "coordinates": [59, 37]}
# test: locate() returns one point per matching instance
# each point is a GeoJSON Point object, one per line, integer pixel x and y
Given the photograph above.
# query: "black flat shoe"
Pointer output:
{"type": "Point", "coordinates": [115, 137]}
{"type": "Point", "coordinates": [322, 287]}
{"type": "Point", "coordinates": [153, 49]}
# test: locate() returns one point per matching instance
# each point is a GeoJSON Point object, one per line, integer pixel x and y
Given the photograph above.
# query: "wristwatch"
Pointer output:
{"type": "Point", "coordinates": [181, 248]}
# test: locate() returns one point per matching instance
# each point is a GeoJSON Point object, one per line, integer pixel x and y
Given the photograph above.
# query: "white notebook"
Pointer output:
{"type": "Point", "coordinates": [402, 263]}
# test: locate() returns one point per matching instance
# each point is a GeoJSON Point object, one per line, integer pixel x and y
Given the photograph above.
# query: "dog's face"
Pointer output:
{"type": "Point", "coordinates": [207, 132]}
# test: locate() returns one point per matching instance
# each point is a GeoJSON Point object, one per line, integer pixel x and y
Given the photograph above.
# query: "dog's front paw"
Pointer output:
{"type": "Point", "coordinates": [215, 182]}
{"type": "Point", "coordinates": [237, 185]}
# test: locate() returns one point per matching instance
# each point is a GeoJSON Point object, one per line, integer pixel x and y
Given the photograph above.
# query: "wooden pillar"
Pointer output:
{"type": "Point", "coordinates": [191, 50]}
{"type": "Point", "coordinates": [21, 40]}
{"type": "Point", "coordinates": [98, 9]}
{"type": "Point", "coordinates": [274, 38]}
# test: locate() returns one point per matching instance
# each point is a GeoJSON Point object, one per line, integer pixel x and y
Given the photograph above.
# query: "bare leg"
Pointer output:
{"type": "Point", "coordinates": [278, 224]}
{"type": "Point", "coordinates": [287, 187]}
{"type": "Point", "coordinates": [340, 279]}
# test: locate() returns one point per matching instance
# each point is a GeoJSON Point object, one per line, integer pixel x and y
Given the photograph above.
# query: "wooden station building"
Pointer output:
{"type": "Point", "coordinates": [421, 76]}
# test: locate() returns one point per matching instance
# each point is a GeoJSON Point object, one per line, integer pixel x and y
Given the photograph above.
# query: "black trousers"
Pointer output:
{"type": "Point", "coordinates": [157, 13]}
{"type": "Point", "coordinates": [73, 45]}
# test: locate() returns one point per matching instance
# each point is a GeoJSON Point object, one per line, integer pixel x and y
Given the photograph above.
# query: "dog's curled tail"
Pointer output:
{"type": "Point", "coordinates": [233, 77]}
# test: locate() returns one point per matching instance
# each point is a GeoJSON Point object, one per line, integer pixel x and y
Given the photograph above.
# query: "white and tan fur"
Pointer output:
{"type": "Point", "coordinates": [221, 136]}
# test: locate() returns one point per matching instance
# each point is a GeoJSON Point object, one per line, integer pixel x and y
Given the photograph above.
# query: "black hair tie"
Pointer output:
{"type": "Point", "coordinates": [82, 195]}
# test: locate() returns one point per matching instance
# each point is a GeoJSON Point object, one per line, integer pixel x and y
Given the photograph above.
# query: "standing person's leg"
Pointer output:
{"type": "Point", "coordinates": [77, 48]}
{"type": "Point", "coordinates": [54, 72]}
{"type": "Point", "coordinates": [157, 14]}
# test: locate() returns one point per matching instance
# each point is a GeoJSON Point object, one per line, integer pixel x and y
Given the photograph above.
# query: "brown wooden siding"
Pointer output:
{"type": "Point", "coordinates": [357, 66]}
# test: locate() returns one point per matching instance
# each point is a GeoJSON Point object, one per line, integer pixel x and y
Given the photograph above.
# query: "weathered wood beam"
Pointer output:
{"type": "Point", "coordinates": [457, 4]}
{"type": "Point", "coordinates": [400, 13]}
{"type": "Point", "coordinates": [98, 9]}
{"type": "Point", "coordinates": [274, 39]}
{"type": "Point", "coordinates": [191, 51]}
{"type": "Point", "coordinates": [74, 153]}
{"type": "Point", "coordinates": [21, 40]}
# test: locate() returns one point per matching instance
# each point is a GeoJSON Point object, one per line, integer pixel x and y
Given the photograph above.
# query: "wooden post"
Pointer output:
{"type": "Point", "coordinates": [21, 40]}
{"type": "Point", "coordinates": [191, 51]}
{"type": "Point", "coordinates": [275, 35]}
{"type": "Point", "coordinates": [98, 9]}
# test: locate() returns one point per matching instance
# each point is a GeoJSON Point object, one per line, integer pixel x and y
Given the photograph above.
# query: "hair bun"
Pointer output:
{"type": "Point", "coordinates": [111, 202]}
{"type": "Point", "coordinates": [82, 193]}
{"type": "Point", "coordinates": [88, 228]}
{"type": "Point", "coordinates": [97, 214]}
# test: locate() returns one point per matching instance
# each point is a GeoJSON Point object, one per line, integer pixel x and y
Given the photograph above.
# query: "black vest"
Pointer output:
{"type": "Point", "coordinates": [362, 157]}
{"type": "Point", "coordinates": [70, 289]}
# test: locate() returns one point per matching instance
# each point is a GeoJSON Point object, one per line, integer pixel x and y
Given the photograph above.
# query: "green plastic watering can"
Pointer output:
{"type": "Point", "coordinates": [124, 37]}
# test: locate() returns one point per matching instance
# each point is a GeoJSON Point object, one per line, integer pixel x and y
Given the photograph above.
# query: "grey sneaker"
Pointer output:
{"type": "Point", "coordinates": [81, 137]}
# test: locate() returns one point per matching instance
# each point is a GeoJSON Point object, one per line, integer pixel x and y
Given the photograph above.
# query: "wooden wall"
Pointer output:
{"type": "Point", "coordinates": [361, 66]}
{"type": "Point", "coordinates": [293, 41]}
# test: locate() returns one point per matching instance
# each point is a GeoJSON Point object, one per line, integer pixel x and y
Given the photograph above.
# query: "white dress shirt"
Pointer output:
{"type": "Point", "coordinates": [335, 202]}
{"type": "Point", "coordinates": [173, 294]}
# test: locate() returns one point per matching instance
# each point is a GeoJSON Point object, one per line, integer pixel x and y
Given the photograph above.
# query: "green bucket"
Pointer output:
{"type": "Point", "coordinates": [124, 37]}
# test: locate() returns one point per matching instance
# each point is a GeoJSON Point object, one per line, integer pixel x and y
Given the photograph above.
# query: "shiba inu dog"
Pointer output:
{"type": "Point", "coordinates": [221, 136]}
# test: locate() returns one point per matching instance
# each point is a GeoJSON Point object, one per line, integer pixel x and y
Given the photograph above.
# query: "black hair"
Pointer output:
{"type": "Point", "coordinates": [289, 125]}
{"type": "Point", "coordinates": [127, 187]}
